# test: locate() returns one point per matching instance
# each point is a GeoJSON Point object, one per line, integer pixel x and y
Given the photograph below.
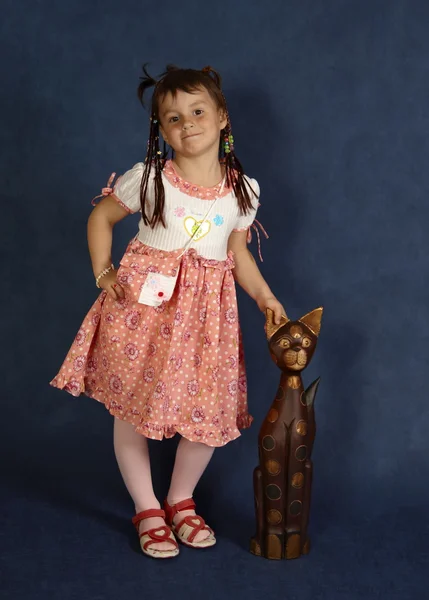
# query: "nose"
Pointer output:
{"type": "Point", "coordinates": [297, 348]}
{"type": "Point", "coordinates": [187, 125]}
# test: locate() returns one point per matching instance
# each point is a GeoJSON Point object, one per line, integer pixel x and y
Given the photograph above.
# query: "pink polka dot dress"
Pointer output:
{"type": "Point", "coordinates": [177, 367]}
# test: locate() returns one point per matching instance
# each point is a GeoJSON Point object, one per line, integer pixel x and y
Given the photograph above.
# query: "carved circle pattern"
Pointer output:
{"type": "Point", "coordinates": [301, 427]}
{"type": "Point", "coordinates": [295, 508]}
{"type": "Point", "coordinates": [296, 331]}
{"type": "Point", "coordinates": [297, 480]}
{"type": "Point", "coordinates": [301, 453]}
{"type": "Point", "coordinates": [273, 467]}
{"type": "Point", "coordinates": [302, 399]}
{"type": "Point", "coordinates": [273, 492]}
{"type": "Point", "coordinates": [274, 516]}
{"type": "Point", "coordinates": [268, 442]}
{"type": "Point", "coordinates": [273, 415]}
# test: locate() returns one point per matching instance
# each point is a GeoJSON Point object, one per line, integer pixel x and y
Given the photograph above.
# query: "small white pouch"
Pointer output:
{"type": "Point", "coordinates": [159, 288]}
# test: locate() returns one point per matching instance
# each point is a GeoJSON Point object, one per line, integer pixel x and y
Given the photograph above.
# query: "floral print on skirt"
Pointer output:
{"type": "Point", "coordinates": [176, 368]}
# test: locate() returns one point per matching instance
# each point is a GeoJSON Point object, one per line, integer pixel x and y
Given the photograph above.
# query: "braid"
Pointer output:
{"type": "Point", "coordinates": [236, 180]}
{"type": "Point", "coordinates": [235, 172]}
{"type": "Point", "coordinates": [155, 158]}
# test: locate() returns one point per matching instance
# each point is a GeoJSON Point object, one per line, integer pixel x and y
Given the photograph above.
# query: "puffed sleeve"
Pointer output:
{"type": "Point", "coordinates": [127, 188]}
{"type": "Point", "coordinates": [245, 221]}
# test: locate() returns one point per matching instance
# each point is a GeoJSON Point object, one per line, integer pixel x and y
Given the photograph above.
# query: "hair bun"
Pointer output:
{"type": "Point", "coordinates": [170, 68]}
{"type": "Point", "coordinates": [213, 74]}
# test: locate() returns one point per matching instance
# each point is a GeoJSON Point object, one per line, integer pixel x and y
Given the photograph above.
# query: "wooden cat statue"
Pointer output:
{"type": "Point", "coordinates": [282, 481]}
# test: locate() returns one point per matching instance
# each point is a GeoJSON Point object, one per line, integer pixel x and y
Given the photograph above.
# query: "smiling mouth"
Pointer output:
{"type": "Point", "coordinates": [190, 136]}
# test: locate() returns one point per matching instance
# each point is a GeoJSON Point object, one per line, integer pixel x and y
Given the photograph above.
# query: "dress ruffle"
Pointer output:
{"type": "Point", "coordinates": [197, 191]}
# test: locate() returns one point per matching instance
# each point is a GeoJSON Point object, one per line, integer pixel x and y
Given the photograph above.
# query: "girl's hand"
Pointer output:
{"type": "Point", "coordinates": [109, 283]}
{"type": "Point", "coordinates": [272, 303]}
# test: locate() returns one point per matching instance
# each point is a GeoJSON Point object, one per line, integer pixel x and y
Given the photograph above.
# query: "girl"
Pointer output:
{"type": "Point", "coordinates": [161, 346]}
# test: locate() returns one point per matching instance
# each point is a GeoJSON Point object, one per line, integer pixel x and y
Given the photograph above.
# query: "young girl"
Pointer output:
{"type": "Point", "coordinates": [161, 346]}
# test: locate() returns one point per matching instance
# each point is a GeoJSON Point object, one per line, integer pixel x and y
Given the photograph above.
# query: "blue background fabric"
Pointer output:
{"type": "Point", "coordinates": [329, 107]}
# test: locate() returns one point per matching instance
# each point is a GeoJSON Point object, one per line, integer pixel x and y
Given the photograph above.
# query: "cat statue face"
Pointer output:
{"type": "Point", "coordinates": [292, 343]}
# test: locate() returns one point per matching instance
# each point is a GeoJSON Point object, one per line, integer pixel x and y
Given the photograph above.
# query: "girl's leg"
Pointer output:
{"type": "Point", "coordinates": [132, 455]}
{"type": "Point", "coordinates": [191, 461]}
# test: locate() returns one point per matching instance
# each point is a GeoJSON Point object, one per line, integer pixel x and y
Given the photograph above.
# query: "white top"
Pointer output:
{"type": "Point", "coordinates": [183, 211]}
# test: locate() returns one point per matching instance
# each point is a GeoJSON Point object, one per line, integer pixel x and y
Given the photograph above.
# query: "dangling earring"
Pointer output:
{"type": "Point", "coordinates": [228, 142]}
{"type": "Point", "coordinates": [228, 139]}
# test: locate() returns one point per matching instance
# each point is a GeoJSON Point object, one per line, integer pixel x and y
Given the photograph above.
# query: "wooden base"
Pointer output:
{"type": "Point", "coordinates": [274, 551]}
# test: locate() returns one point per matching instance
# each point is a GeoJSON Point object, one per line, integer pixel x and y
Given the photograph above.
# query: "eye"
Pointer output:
{"type": "Point", "coordinates": [198, 111]}
{"type": "Point", "coordinates": [173, 119]}
{"type": "Point", "coordinates": [284, 343]}
{"type": "Point", "coordinates": [306, 342]}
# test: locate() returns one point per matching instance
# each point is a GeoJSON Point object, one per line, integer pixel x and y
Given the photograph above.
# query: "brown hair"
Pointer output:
{"type": "Point", "coordinates": [188, 80]}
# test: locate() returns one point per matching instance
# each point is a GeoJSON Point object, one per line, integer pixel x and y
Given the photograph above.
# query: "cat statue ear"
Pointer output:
{"type": "Point", "coordinates": [313, 320]}
{"type": "Point", "coordinates": [270, 326]}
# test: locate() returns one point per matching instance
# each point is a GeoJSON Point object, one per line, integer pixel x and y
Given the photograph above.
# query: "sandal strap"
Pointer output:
{"type": "Point", "coordinates": [157, 535]}
{"type": "Point", "coordinates": [147, 514]}
{"type": "Point", "coordinates": [196, 523]}
{"type": "Point", "coordinates": [171, 511]}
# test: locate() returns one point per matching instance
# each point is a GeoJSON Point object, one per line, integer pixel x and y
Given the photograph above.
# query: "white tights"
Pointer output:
{"type": "Point", "coordinates": [132, 454]}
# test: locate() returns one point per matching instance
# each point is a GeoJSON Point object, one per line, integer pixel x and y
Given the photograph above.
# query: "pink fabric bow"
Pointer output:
{"type": "Point", "coordinates": [106, 191]}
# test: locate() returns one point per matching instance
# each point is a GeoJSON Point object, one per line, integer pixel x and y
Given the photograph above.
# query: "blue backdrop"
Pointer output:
{"type": "Point", "coordinates": [329, 107]}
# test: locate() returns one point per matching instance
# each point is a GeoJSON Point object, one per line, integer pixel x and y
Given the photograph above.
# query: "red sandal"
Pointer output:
{"type": "Point", "coordinates": [189, 526]}
{"type": "Point", "coordinates": [155, 535]}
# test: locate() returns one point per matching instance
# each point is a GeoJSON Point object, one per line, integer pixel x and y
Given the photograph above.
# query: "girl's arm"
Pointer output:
{"type": "Point", "coordinates": [247, 274]}
{"type": "Point", "coordinates": [101, 221]}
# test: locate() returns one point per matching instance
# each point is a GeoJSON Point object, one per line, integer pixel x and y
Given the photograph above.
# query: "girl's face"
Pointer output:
{"type": "Point", "coordinates": [191, 123]}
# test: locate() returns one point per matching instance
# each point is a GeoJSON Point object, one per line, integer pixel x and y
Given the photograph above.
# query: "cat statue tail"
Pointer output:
{"type": "Point", "coordinates": [309, 397]}
{"type": "Point", "coordinates": [310, 393]}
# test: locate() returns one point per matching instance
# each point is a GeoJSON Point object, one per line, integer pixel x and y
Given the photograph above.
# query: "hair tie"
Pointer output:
{"type": "Point", "coordinates": [207, 69]}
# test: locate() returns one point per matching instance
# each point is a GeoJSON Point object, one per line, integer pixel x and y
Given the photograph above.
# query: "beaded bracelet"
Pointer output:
{"type": "Point", "coordinates": [103, 273]}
